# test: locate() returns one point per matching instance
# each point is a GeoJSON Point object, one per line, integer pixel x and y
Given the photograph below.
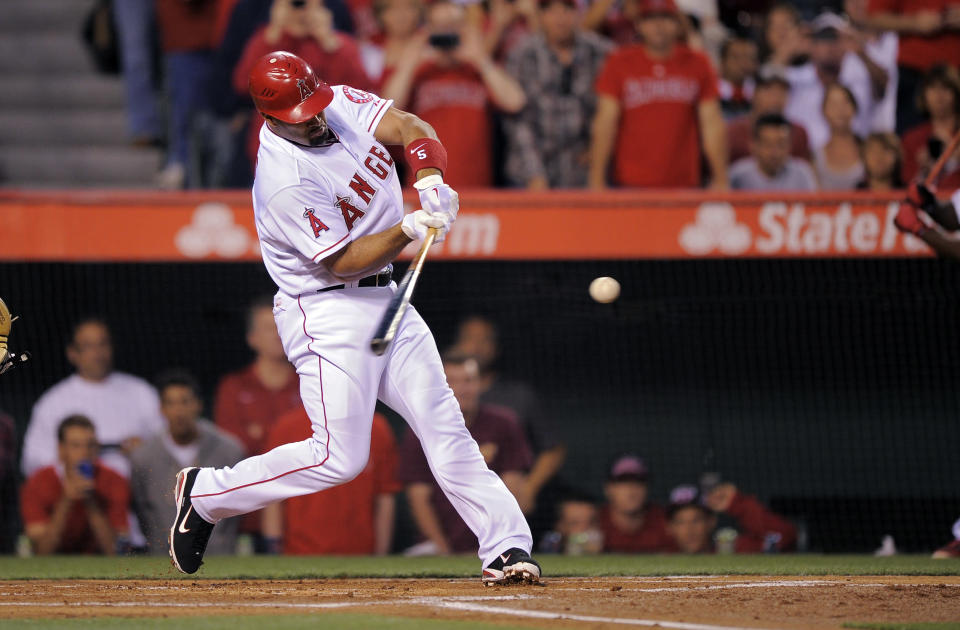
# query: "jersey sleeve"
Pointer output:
{"type": "Point", "coordinates": [366, 108]}
{"type": "Point", "coordinates": [306, 218]}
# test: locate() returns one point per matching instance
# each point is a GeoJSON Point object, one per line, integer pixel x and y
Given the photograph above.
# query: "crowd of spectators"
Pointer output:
{"type": "Point", "coordinates": [102, 449]}
{"type": "Point", "coordinates": [547, 94]}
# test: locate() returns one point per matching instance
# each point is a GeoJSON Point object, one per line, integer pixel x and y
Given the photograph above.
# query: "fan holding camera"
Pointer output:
{"type": "Point", "coordinates": [304, 28]}
{"type": "Point", "coordinates": [454, 84]}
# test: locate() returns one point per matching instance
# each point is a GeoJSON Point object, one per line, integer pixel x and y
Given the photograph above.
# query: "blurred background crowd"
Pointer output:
{"type": "Point", "coordinates": [102, 448]}
{"type": "Point", "coordinates": [537, 94]}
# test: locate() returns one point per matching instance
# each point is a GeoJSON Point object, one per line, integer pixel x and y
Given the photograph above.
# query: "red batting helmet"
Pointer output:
{"type": "Point", "coordinates": [285, 87]}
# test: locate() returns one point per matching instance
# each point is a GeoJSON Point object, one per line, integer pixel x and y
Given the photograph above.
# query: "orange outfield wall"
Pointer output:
{"type": "Point", "coordinates": [493, 225]}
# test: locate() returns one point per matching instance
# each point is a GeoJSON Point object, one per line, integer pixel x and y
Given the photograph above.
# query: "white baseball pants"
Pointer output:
{"type": "Point", "coordinates": [326, 336]}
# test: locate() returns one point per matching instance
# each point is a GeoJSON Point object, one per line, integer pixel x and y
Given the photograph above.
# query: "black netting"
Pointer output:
{"type": "Point", "coordinates": [826, 387]}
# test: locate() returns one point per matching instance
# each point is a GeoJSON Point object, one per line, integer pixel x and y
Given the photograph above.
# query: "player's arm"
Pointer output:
{"type": "Point", "coordinates": [400, 127]}
{"type": "Point", "coordinates": [602, 138]}
{"type": "Point", "coordinates": [428, 159]}
{"type": "Point", "coordinates": [367, 254]}
{"type": "Point", "coordinates": [418, 495]}
{"type": "Point", "coordinates": [714, 137]}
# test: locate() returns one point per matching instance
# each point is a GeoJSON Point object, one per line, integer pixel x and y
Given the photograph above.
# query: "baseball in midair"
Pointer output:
{"type": "Point", "coordinates": [604, 289]}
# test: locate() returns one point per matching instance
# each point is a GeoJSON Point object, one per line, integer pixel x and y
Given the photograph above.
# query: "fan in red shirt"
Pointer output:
{"type": "Point", "coordinates": [692, 521]}
{"type": "Point", "coordinates": [629, 522]}
{"type": "Point", "coordinates": [657, 102]}
{"type": "Point", "coordinates": [307, 31]}
{"type": "Point", "coordinates": [78, 505]}
{"type": "Point", "coordinates": [452, 83]}
{"type": "Point", "coordinates": [351, 519]}
{"type": "Point", "coordinates": [929, 33]}
{"type": "Point", "coordinates": [249, 401]}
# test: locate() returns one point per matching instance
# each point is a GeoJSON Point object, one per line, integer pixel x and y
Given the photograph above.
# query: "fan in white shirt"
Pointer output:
{"type": "Point", "coordinates": [123, 408]}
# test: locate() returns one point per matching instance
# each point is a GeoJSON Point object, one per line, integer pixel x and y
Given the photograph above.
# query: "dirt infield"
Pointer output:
{"type": "Point", "coordinates": [692, 603]}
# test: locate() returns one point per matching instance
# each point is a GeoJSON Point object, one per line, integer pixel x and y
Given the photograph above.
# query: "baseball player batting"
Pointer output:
{"type": "Point", "coordinates": [329, 214]}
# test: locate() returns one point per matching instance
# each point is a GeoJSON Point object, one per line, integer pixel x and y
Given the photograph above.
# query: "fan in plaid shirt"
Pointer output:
{"type": "Point", "coordinates": [548, 140]}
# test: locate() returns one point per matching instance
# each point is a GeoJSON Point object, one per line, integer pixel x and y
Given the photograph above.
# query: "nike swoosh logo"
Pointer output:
{"type": "Point", "coordinates": [504, 558]}
{"type": "Point", "coordinates": [415, 149]}
{"type": "Point", "coordinates": [181, 529]}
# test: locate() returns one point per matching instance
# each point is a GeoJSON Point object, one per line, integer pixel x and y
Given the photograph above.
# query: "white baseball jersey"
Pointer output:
{"type": "Point", "coordinates": [309, 202]}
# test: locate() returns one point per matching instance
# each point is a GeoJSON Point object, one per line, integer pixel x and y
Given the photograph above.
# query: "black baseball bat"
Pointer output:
{"type": "Point", "coordinates": [390, 322]}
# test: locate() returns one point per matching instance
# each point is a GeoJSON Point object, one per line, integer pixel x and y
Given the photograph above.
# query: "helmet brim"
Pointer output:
{"type": "Point", "coordinates": [313, 105]}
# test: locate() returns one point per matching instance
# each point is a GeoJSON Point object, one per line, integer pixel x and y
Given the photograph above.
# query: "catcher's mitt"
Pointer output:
{"type": "Point", "coordinates": [8, 360]}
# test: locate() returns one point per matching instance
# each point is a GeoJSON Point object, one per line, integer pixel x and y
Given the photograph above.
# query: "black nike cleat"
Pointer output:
{"type": "Point", "coordinates": [513, 566]}
{"type": "Point", "coordinates": [189, 534]}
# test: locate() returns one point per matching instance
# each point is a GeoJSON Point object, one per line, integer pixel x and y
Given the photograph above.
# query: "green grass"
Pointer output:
{"type": "Point", "coordinates": [340, 621]}
{"type": "Point", "coordinates": [904, 626]}
{"type": "Point", "coordinates": [79, 567]}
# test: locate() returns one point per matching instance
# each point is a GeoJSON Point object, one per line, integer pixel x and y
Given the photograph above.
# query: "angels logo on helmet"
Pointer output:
{"type": "Point", "coordinates": [305, 91]}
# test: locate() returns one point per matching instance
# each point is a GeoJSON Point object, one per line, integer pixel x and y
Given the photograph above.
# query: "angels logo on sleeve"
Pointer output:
{"type": "Point", "coordinates": [357, 96]}
{"type": "Point", "coordinates": [316, 224]}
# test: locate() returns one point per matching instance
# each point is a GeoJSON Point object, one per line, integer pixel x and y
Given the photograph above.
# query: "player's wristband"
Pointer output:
{"type": "Point", "coordinates": [425, 153]}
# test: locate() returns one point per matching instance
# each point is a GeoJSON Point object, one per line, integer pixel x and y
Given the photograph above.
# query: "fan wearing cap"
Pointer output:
{"type": "Point", "coordinates": [693, 519]}
{"type": "Point", "coordinates": [833, 61]}
{"type": "Point", "coordinates": [329, 214]}
{"type": "Point", "coordinates": [657, 103]}
{"type": "Point", "coordinates": [305, 28]}
{"type": "Point", "coordinates": [630, 523]}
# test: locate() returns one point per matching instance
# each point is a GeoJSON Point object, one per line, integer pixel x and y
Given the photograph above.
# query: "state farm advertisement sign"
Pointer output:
{"type": "Point", "coordinates": [792, 229]}
{"type": "Point", "coordinates": [87, 226]}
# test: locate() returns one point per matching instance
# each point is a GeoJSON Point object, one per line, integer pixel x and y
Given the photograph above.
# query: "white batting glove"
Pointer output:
{"type": "Point", "coordinates": [436, 197]}
{"type": "Point", "coordinates": [416, 224]}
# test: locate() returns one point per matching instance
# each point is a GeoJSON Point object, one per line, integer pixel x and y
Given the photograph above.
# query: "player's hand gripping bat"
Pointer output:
{"type": "Point", "coordinates": [8, 360]}
{"type": "Point", "coordinates": [390, 321]}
